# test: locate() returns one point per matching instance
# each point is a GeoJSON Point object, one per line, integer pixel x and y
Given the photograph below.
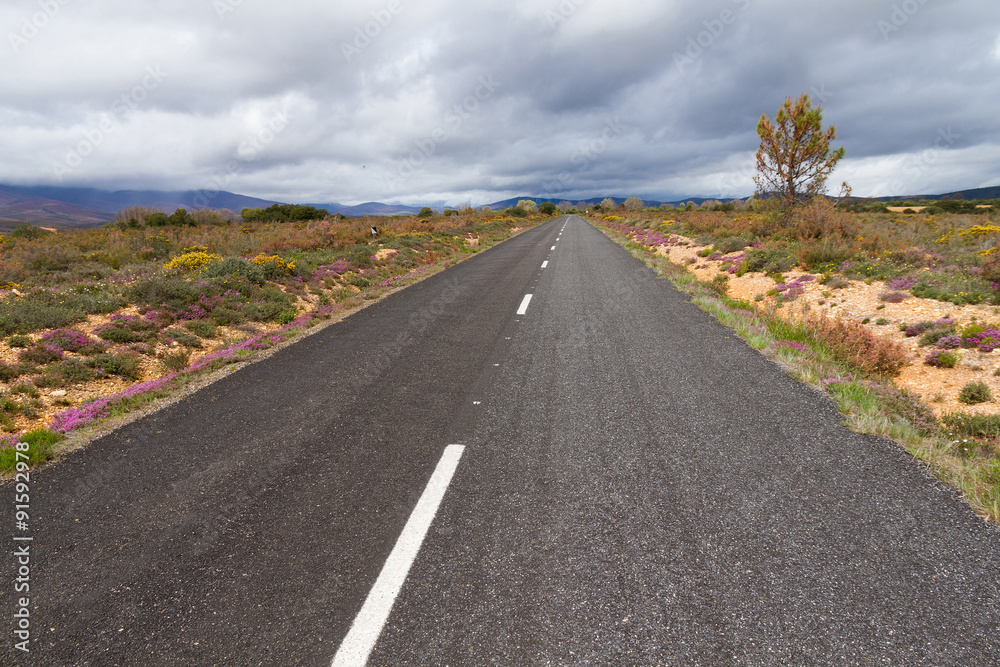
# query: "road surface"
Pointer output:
{"type": "Point", "coordinates": [619, 480]}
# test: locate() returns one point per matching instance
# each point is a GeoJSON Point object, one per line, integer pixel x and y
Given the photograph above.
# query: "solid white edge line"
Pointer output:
{"type": "Point", "coordinates": [523, 310]}
{"type": "Point", "coordinates": [367, 626]}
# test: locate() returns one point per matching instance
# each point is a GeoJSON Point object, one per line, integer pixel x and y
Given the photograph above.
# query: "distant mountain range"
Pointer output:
{"type": "Point", "coordinates": [59, 207]}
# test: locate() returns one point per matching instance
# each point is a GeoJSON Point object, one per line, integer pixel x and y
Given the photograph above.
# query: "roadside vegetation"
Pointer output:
{"type": "Point", "coordinates": [950, 257]}
{"type": "Point", "coordinates": [96, 323]}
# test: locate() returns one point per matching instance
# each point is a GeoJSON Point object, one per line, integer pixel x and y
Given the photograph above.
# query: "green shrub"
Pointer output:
{"type": "Point", "coordinates": [941, 359]}
{"type": "Point", "coordinates": [9, 372]}
{"type": "Point", "coordinates": [65, 373]}
{"type": "Point", "coordinates": [25, 388]}
{"type": "Point", "coordinates": [975, 392]}
{"type": "Point", "coordinates": [733, 244]}
{"type": "Point", "coordinates": [264, 311]}
{"type": "Point", "coordinates": [720, 284]}
{"type": "Point", "coordinates": [33, 312]}
{"type": "Point", "coordinates": [125, 365]}
{"type": "Point", "coordinates": [202, 328]}
{"type": "Point", "coordinates": [39, 354]}
{"type": "Point", "coordinates": [955, 288]}
{"type": "Point", "coordinates": [977, 426]}
{"type": "Point", "coordinates": [770, 260]}
{"type": "Point", "coordinates": [224, 316]}
{"type": "Point", "coordinates": [28, 232]}
{"type": "Point", "coordinates": [236, 266]}
{"type": "Point", "coordinates": [117, 334]}
{"type": "Point", "coordinates": [176, 361]}
{"type": "Point", "coordinates": [183, 337]}
{"type": "Point", "coordinates": [19, 341]}
{"type": "Point", "coordinates": [159, 290]}
{"type": "Point", "coordinates": [933, 336]}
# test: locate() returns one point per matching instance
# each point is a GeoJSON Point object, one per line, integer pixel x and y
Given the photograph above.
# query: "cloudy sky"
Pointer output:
{"type": "Point", "coordinates": [475, 101]}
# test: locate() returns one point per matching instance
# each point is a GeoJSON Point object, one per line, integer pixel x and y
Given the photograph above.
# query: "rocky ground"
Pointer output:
{"type": "Point", "coordinates": [859, 300]}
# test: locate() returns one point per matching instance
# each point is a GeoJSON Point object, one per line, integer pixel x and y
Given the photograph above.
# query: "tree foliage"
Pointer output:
{"type": "Point", "coordinates": [284, 213]}
{"type": "Point", "coordinates": [633, 204]}
{"type": "Point", "coordinates": [794, 158]}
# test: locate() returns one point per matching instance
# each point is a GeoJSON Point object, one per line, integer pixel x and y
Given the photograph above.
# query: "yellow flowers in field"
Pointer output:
{"type": "Point", "coordinates": [274, 262]}
{"type": "Point", "coordinates": [973, 231]}
{"type": "Point", "coordinates": [981, 230]}
{"type": "Point", "coordinates": [194, 259]}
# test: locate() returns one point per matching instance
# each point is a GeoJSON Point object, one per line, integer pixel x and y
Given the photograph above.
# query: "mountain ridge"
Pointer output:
{"type": "Point", "coordinates": [72, 207]}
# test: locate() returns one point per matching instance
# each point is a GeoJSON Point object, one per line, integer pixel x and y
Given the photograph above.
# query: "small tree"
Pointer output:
{"type": "Point", "coordinates": [634, 204]}
{"type": "Point", "coordinates": [794, 158]}
{"type": "Point", "coordinates": [608, 204]}
{"type": "Point", "coordinates": [547, 208]}
{"type": "Point", "coordinates": [527, 205]}
{"type": "Point", "coordinates": [426, 212]}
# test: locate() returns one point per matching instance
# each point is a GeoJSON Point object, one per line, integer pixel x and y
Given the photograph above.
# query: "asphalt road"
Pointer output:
{"type": "Point", "coordinates": [637, 487]}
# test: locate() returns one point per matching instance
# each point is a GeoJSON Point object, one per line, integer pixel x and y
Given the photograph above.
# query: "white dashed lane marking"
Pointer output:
{"type": "Point", "coordinates": [367, 627]}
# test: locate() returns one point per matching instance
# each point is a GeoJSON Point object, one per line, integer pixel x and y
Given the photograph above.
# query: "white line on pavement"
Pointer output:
{"type": "Point", "coordinates": [552, 248]}
{"type": "Point", "coordinates": [367, 627]}
{"type": "Point", "coordinates": [524, 305]}
{"type": "Point", "coordinates": [545, 263]}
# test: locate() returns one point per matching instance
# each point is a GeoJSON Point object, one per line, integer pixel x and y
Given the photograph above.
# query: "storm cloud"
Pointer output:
{"type": "Point", "coordinates": [445, 101]}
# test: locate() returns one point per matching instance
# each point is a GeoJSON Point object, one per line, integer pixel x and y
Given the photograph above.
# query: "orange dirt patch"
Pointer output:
{"type": "Point", "coordinates": [860, 301]}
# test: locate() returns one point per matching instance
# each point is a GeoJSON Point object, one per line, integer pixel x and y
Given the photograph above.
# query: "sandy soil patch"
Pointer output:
{"type": "Point", "coordinates": [860, 301]}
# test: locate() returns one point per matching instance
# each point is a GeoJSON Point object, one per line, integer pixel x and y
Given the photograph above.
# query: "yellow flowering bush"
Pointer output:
{"type": "Point", "coordinates": [273, 264]}
{"type": "Point", "coordinates": [193, 259]}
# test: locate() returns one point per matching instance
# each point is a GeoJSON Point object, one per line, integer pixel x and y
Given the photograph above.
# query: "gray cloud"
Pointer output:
{"type": "Point", "coordinates": [396, 100]}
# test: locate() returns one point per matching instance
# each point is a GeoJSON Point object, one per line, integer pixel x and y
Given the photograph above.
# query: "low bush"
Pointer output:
{"type": "Point", "coordinates": [40, 354]}
{"type": "Point", "coordinates": [236, 266]}
{"type": "Point", "coordinates": [35, 312]}
{"type": "Point", "coordinates": [977, 426]}
{"type": "Point", "coordinates": [862, 349]}
{"type": "Point", "coordinates": [65, 373]}
{"type": "Point", "coordinates": [125, 365]}
{"type": "Point", "coordinates": [202, 328]}
{"type": "Point", "coordinates": [19, 341]}
{"type": "Point", "coordinates": [181, 336]}
{"type": "Point", "coordinates": [67, 340]}
{"type": "Point", "coordinates": [176, 361]}
{"type": "Point", "coordinates": [941, 359]}
{"type": "Point", "coordinates": [975, 392]}
{"type": "Point", "coordinates": [769, 260]}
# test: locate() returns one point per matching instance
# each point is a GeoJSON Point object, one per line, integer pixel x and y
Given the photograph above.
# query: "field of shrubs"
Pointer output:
{"type": "Point", "coordinates": [95, 323]}
{"type": "Point", "coordinates": [794, 272]}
